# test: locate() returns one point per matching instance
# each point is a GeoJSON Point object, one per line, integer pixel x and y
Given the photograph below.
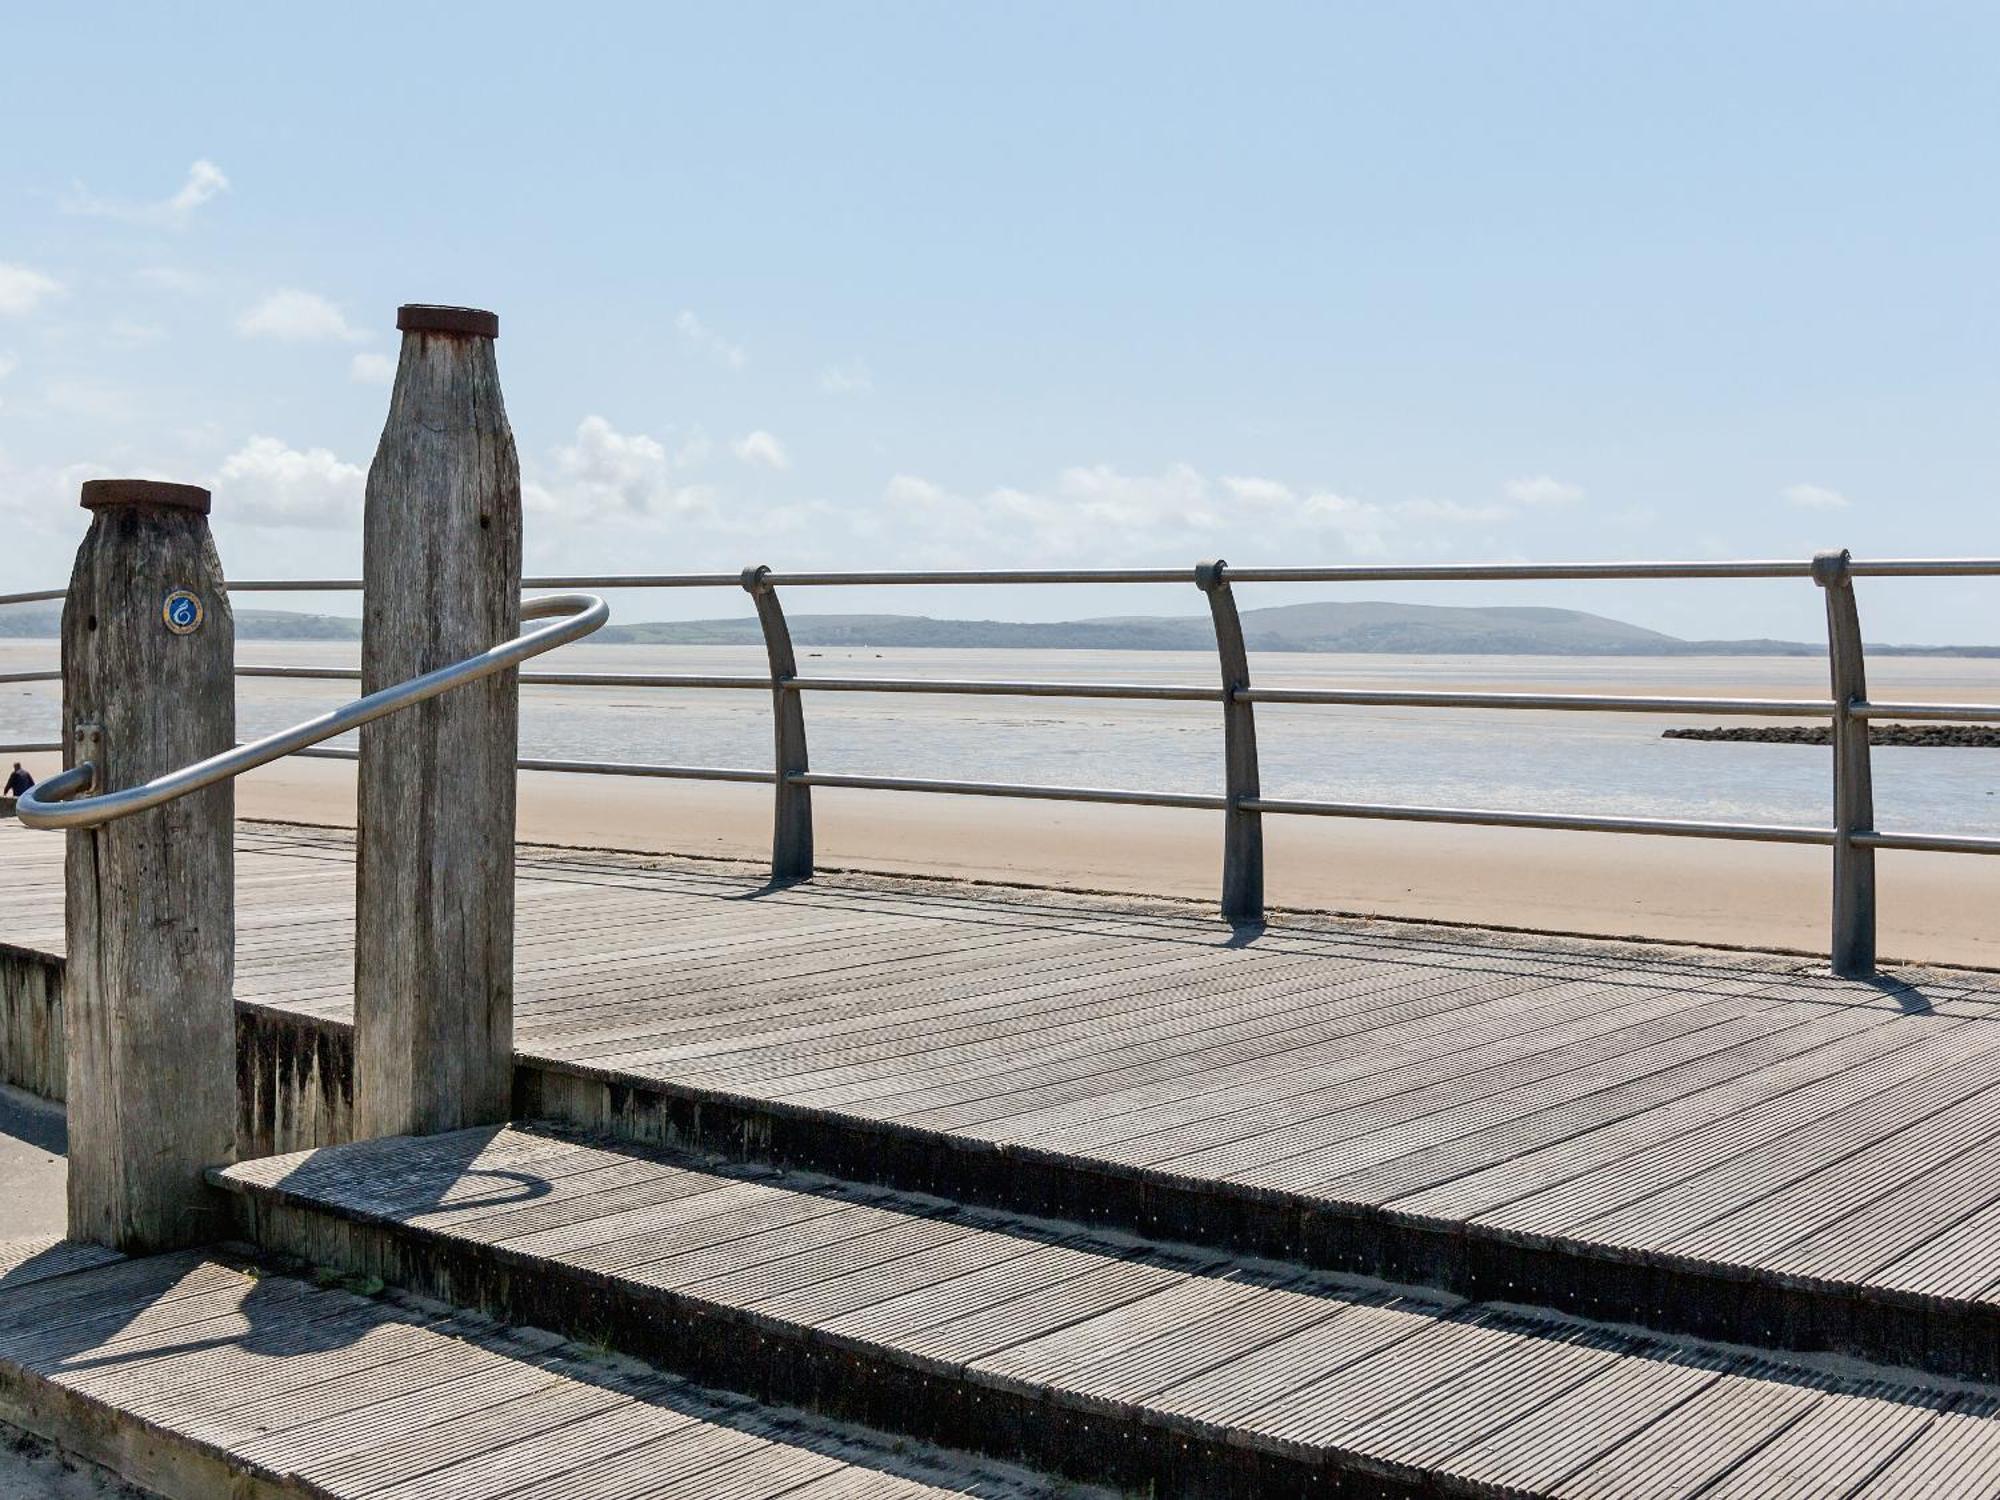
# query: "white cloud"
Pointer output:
{"type": "Point", "coordinates": [608, 474]}
{"type": "Point", "coordinates": [39, 518]}
{"type": "Point", "coordinates": [372, 369]}
{"type": "Point", "coordinates": [298, 317]}
{"type": "Point", "coordinates": [173, 279]}
{"type": "Point", "coordinates": [698, 336]}
{"type": "Point", "coordinates": [850, 379]}
{"type": "Point", "coordinates": [1261, 493]}
{"type": "Point", "coordinates": [204, 182]}
{"type": "Point", "coordinates": [266, 482]}
{"type": "Point", "coordinates": [23, 289]}
{"type": "Point", "coordinates": [760, 450]}
{"type": "Point", "coordinates": [1097, 513]}
{"type": "Point", "coordinates": [9, 363]}
{"type": "Point", "coordinates": [1814, 497]}
{"type": "Point", "coordinates": [1542, 489]}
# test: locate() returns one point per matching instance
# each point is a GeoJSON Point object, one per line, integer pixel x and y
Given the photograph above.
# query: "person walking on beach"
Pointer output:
{"type": "Point", "coordinates": [19, 782]}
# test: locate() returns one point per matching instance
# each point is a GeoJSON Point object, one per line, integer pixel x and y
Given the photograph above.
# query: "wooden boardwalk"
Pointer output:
{"type": "Point", "coordinates": [1723, 1107]}
{"type": "Point", "coordinates": [1060, 1133]}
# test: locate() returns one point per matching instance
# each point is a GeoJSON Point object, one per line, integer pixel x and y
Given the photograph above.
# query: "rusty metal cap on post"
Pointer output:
{"type": "Point", "coordinates": [425, 317]}
{"type": "Point", "coordinates": [99, 493]}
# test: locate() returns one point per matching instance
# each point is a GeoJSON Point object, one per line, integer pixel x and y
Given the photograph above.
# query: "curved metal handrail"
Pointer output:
{"type": "Point", "coordinates": [48, 804]}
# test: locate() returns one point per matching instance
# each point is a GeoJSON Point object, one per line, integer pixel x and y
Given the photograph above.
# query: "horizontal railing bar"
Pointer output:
{"type": "Point", "coordinates": [1944, 713]}
{"type": "Point", "coordinates": [1923, 567]}
{"type": "Point", "coordinates": [51, 748]}
{"type": "Point", "coordinates": [55, 676]}
{"type": "Point", "coordinates": [1906, 567]}
{"type": "Point", "coordinates": [1566, 702]}
{"type": "Point", "coordinates": [1011, 789]}
{"type": "Point", "coordinates": [1774, 833]}
{"type": "Point", "coordinates": [1934, 843]}
{"type": "Point", "coordinates": [546, 679]}
{"type": "Point", "coordinates": [599, 768]}
{"type": "Point", "coordinates": [1165, 692]}
{"type": "Point", "coordinates": [1173, 692]}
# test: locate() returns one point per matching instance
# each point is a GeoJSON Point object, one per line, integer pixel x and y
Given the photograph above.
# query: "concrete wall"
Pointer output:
{"type": "Point", "coordinates": [294, 1074]}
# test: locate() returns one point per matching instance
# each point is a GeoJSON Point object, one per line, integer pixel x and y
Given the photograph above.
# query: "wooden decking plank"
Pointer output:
{"type": "Point", "coordinates": [1928, 1065]}
{"type": "Point", "coordinates": [1283, 1069]}
{"type": "Point", "coordinates": [40, 1257]}
{"type": "Point", "coordinates": [1955, 1457]}
{"type": "Point", "coordinates": [1490, 1030]}
{"type": "Point", "coordinates": [1420, 1169]}
{"type": "Point", "coordinates": [1247, 1027]}
{"type": "Point", "coordinates": [1931, 1200]}
{"type": "Point", "coordinates": [1226, 1395]}
{"type": "Point", "coordinates": [1830, 1453]}
{"type": "Point", "coordinates": [1603, 1083]}
{"type": "Point", "coordinates": [1176, 1333]}
{"type": "Point", "coordinates": [1748, 1177]}
{"type": "Point", "coordinates": [1260, 1142]}
{"type": "Point", "coordinates": [1453, 1416]}
{"type": "Point", "coordinates": [1862, 1058]}
{"type": "Point", "coordinates": [807, 1065]}
{"type": "Point", "coordinates": [1541, 1449]}
{"type": "Point", "coordinates": [982, 1081]}
{"type": "Point", "coordinates": [967, 998]}
{"type": "Point", "coordinates": [555, 1453]}
{"type": "Point", "coordinates": [1680, 1456]}
{"type": "Point", "coordinates": [751, 1272]}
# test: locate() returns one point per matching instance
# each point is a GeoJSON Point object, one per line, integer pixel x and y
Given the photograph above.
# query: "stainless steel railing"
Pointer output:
{"type": "Point", "coordinates": [1850, 833]}
{"type": "Point", "coordinates": [57, 803]}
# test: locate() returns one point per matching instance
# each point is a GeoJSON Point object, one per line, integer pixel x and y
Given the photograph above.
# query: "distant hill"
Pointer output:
{"type": "Point", "coordinates": [1411, 629]}
{"type": "Point", "coordinates": [1285, 627]}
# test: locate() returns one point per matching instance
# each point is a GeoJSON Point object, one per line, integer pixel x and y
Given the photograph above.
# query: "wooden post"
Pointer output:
{"type": "Point", "coordinates": [1242, 827]}
{"type": "Point", "coordinates": [434, 918]}
{"type": "Point", "coordinates": [148, 651]}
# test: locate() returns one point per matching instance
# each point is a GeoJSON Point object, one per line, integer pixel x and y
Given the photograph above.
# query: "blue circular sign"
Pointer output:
{"type": "Point", "coordinates": [182, 612]}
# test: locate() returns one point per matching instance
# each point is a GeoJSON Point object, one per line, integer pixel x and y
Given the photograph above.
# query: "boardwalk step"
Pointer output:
{"type": "Point", "coordinates": [201, 1375]}
{"type": "Point", "coordinates": [1159, 1368]}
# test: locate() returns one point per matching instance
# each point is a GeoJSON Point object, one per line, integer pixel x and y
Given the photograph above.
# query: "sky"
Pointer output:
{"type": "Point", "coordinates": [844, 286]}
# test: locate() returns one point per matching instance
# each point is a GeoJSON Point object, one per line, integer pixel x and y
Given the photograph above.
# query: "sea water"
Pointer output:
{"type": "Point", "coordinates": [1537, 761]}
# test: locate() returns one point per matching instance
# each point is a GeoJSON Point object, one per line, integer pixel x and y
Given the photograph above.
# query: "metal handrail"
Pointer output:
{"type": "Point", "coordinates": [1904, 567]}
{"type": "Point", "coordinates": [49, 803]}
{"type": "Point", "coordinates": [1851, 833]}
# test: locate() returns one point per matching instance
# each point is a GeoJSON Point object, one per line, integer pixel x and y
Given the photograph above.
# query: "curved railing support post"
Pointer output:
{"type": "Point", "coordinates": [792, 822]}
{"type": "Point", "coordinates": [1853, 945]}
{"type": "Point", "coordinates": [1243, 829]}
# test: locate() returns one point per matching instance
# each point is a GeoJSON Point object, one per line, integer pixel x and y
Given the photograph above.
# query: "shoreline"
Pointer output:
{"type": "Point", "coordinates": [1934, 908]}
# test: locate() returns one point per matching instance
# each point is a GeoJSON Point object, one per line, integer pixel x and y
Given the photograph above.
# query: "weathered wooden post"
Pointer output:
{"type": "Point", "coordinates": [148, 653]}
{"type": "Point", "coordinates": [434, 918]}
